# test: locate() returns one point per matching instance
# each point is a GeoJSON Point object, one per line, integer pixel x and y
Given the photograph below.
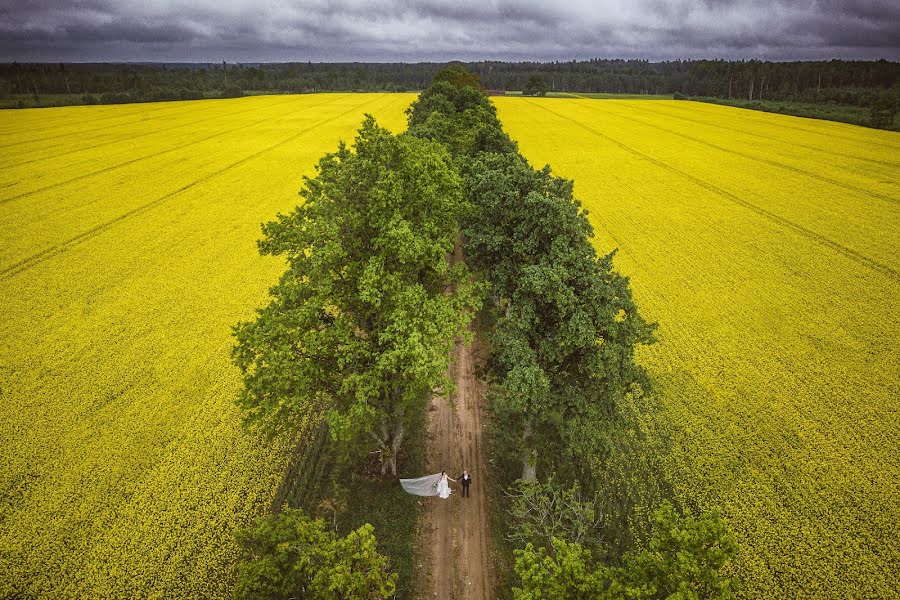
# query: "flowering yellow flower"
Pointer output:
{"type": "Point", "coordinates": [128, 252]}
{"type": "Point", "coordinates": [768, 249]}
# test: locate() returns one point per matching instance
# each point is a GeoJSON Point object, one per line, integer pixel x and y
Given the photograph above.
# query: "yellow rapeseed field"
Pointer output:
{"type": "Point", "coordinates": [128, 252]}
{"type": "Point", "coordinates": [768, 249]}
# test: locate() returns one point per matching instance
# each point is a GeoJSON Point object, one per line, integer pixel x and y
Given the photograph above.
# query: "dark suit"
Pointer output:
{"type": "Point", "coordinates": [466, 481]}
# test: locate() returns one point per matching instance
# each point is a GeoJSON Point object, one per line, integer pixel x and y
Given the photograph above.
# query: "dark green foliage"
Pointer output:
{"type": "Point", "coordinates": [836, 90]}
{"type": "Point", "coordinates": [679, 96]}
{"type": "Point", "coordinates": [835, 81]}
{"type": "Point", "coordinates": [232, 91]}
{"type": "Point", "coordinates": [536, 86]}
{"type": "Point", "coordinates": [290, 555]}
{"type": "Point", "coordinates": [460, 117]}
{"type": "Point", "coordinates": [843, 113]}
{"type": "Point", "coordinates": [360, 325]}
{"type": "Point", "coordinates": [566, 396]}
{"type": "Point", "coordinates": [883, 111]}
{"type": "Point", "coordinates": [563, 346]}
{"type": "Point", "coordinates": [685, 559]}
{"type": "Point", "coordinates": [456, 74]}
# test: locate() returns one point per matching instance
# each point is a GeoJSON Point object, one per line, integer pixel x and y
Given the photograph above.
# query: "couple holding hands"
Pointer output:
{"type": "Point", "coordinates": [436, 485]}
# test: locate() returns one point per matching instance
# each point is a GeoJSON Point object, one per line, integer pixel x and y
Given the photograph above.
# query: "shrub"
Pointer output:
{"type": "Point", "coordinates": [290, 555]}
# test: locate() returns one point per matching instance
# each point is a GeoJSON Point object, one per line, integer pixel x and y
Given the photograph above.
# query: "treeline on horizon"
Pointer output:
{"type": "Point", "coordinates": [855, 83]}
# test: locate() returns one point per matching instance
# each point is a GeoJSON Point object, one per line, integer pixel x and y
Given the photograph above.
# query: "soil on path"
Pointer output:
{"type": "Point", "coordinates": [454, 532]}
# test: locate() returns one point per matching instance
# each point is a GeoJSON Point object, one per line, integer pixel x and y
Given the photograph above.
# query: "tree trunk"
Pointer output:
{"type": "Point", "coordinates": [529, 457]}
{"type": "Point", "coordinates": [529, 468]}
{"type": "Point", "coordinates": [389, 442]}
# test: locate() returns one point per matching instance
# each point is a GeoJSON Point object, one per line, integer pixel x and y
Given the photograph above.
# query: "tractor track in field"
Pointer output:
{"type": "Point", "coordinates": [35, 259]}
{"type": "Point", "coordinates": [799, 128]}
{"type": "Point", "coordinates": [133, 137]}
{"type": "Point", "coordinates": [137, 112]}
{"type": "Point", "coordinates": [663, 113]}
{"type": "Point", "coordinates": [808, 233]}
{"type": "Point", "coordinates": [140, 158]}
{"type": "Point", "coordinates": [83, 131]}
{"type": "Point", "coordinates": [773, 163]}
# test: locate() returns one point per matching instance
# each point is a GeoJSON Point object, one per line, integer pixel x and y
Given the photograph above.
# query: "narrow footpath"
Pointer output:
{"type": "Point", "coordinates": [454, 532]}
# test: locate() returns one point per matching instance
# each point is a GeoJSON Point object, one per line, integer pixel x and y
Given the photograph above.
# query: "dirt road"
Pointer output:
{"type": "Point", "coordinates": [454, 532]}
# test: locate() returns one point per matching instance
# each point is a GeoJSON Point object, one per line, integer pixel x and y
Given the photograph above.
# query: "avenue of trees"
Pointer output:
{"type": "Point", "coordinates": [355, 339]}
{"type": "Point", "coordinates": [358, 332]}
{"type": "Point", "coordinates": [360, 326]}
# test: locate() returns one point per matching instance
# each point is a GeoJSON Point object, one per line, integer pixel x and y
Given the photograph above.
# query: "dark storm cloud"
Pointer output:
{"type": "Point", "coordinates": [403, 30]}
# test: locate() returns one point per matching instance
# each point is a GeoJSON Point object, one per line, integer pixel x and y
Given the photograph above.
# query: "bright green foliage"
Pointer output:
{"type": "Point", "coordinates": [291, 556]}
{"type": "Point", "coordinates": [685, 561]}
{"type": "Point", "coordinates": [564, 345]}
{"type": "Point", "coordinates": [567, 572]}
{"type": "Point", "coordinates": [361, 324]}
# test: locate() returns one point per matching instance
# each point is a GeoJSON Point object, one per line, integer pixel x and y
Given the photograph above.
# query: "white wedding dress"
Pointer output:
{"type": "Point", "coordinates": [443, 488]}
{"type": "Point", "coordinates": [429, 485]}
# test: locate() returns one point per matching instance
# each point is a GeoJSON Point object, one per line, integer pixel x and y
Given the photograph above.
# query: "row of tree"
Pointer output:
{"type": "Point", "coordinates": [561, 328]}
{"type": "Point", "coordinates": [858, 83]}
{"type": "Point", "coordinates": [358, 333]}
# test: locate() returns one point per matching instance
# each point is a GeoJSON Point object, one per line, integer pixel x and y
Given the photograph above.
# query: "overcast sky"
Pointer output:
{"type": "Point", "coordinates": [439, 30]}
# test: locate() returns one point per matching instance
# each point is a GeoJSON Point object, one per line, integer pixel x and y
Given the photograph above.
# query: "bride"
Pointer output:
{"type": "Point", "coordinates": [443, 486]}
{"type": "Point", "coordinates": [429, 485]}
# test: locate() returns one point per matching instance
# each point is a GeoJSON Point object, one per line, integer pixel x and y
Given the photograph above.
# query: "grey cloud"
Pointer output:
{"type": "Point", "coordinates": [406, 30]}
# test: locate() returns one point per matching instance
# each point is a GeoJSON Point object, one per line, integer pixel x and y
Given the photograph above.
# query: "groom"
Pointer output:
{"type": "Point", "coordinates": [466, 480]}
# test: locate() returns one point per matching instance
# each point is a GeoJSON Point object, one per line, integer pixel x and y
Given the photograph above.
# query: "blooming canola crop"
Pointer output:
{"type": "Point", "coordinates": [768, 250]}
{"type": "Point", "coordinates": [128, 252]}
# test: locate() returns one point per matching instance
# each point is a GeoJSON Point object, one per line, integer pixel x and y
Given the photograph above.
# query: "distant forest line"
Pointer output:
{"type": "Point", "coordinates": [871, 85]}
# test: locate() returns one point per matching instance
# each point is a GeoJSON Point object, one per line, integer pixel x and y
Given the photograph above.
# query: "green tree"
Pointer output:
{"type": "Point", "coordinates": [535, 86]}
{"type": "Point", "coordinates": [361, 324]}
{"type": "Point", "coordinates": [563, 346]}
{"type": "Point", "coordinates": [883, 111]}
{"type": "Point", "coordinates": [290, 555]}
{"type": "Point", "coordinates": [541, 512]}
{"type": "Point", "coordinates": [458, 75]}
{"type": "Point", "coordinates": [459, 116]}
{"type": "Point", "coordinates": [685, 561]}
{"type": "Point", "coordinates": [566, 571]}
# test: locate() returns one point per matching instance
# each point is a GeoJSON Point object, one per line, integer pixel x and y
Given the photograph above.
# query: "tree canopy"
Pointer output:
{"type": "Point", "coordinates": [685, 560]}
{"type": "Point", "coordinates": [564, 343]}
{"type": "Point", "coordinates": [290, 555]}
{"type": "Point", "coordinates": [536, 86]}
{"type": "Point", "coordinates": [361, 324]}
